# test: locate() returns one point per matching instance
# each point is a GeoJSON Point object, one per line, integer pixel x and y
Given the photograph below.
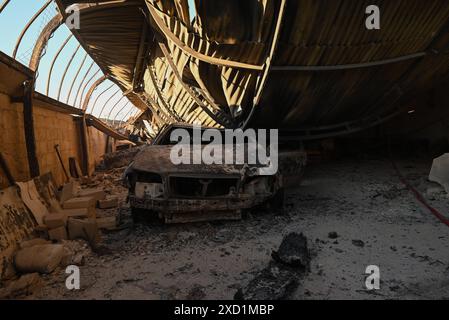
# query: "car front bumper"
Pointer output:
{"type": "Point", "coordinates": [197, 205]}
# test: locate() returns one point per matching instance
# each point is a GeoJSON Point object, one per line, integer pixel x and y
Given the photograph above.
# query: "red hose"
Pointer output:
{"type": "Point", "coordinates": [420, 197]}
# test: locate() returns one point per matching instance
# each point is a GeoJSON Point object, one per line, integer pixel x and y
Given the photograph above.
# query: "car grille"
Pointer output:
{"type": "Point", "coordinates": [203, 187]}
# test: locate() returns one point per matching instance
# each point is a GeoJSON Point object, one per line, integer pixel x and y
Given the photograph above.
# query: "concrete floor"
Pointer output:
{"type": "Point", "coordinates": [360, 200]}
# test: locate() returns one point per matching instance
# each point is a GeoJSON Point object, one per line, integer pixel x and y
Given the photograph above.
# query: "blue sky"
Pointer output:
{"type": "Point", "coordinates": [192, 9]}
{"type": "Point", "coordinates": [12, 21]}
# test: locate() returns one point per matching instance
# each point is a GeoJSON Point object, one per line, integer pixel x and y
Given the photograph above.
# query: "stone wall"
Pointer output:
{"type": "Point", "coordinates": [12, 140]}
{"type": "Point", "coordinates": [98, 142]}
{"type": "Point", "coordinates": [54, 128]}
{"type": "Point", "coordinates": [51, 128]}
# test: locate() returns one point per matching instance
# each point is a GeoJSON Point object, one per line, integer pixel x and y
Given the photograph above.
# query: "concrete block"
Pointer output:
{"type": "Point", "coordinates": [98, 194]}
{"type": "Point", "coordinates": [41, 258]}
{"type": "Point", "coordinates": [83, 229]}
{"type": "Point", "coordinates": [55, 220]}
{"type": "Point", "coordinates": [58, 234]}
{"type": "Point", "coordinates": [109, 223]}
{"type": "Point", "coordinates": [67, 192]}
{"type": "Point", "coordinates": [24, 286]}
{"type": "Point", "coordinates": [92, 213]}
{"type": "Point", "coordinates": [81, 213]}
{"type": "Point", "coordinates": [33, 242]}
{"type": "Point", "coordinates": [110, 202]}
{"type": "Point", "coordinates": [76, 213]}
{"type": "Point", "coordinates": [77, 203]}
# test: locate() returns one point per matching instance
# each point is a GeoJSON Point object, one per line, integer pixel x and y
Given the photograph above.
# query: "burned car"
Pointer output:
{"type": "Point", "coordinates": [180, 192]}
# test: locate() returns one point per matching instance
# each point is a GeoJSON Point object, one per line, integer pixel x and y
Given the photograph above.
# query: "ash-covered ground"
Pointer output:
{"type": "Point", "coordinates": [354, 214]}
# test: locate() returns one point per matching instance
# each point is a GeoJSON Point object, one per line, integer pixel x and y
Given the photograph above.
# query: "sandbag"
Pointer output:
{"type": "Point", "coordinates": [440, 171]}
{"type": "Point", "coordinates": [41, 258]}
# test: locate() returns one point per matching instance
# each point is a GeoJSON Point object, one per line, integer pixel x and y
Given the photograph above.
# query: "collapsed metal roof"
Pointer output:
{"type": "Point", "coordinates": [62, 70]}
{"type": "Point", "coordinates": [307, 66]}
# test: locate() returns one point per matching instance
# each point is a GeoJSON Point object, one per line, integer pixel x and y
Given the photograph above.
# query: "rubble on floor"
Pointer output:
{"type": "Point", "coordinates": [348, 228]}
{"type": "Point", "coordinates": [24, 286]}
{"type": "Point", "coordinates": [38, 257]}
{"type": "Point", "coordinates": [68, 222]}
{"type": "Point", "coordinates": [119, 159]}
{"type": "Point", "coordinates": [335, 205]}
{"type": "Point", "coordinates": [110, 202]}
{"type": "Point", "coordinates": [280, 279]}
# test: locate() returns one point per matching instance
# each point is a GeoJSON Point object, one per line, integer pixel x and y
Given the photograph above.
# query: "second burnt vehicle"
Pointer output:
{"type": "Point", "coordinates": [179, 193]}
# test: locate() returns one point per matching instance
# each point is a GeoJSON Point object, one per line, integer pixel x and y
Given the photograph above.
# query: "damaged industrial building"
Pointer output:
{"type": "Point", "coordinates": [338, 180]}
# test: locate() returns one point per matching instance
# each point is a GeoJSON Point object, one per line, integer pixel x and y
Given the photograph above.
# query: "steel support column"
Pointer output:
{"type": "Point", "coordinates": [84, 139]}
{"type": "Point", "coordinates": [28, 123]}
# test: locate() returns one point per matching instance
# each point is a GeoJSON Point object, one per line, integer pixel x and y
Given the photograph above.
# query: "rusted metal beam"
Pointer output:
{"type": "Point", "coordinates": [54, 61]}
{"type": "Point", "coordinates": [42, 41]}
{"type": "Point", "coordinates": [115, 106]}
{"type": "Point", "coordinates": [55, 105]}
{"type": "Point", "coordinates": [350, 66]}
{"type": "Point", "coordinates": [152, 108]}
{"type": "Point", "coordinates": [267, 67]}
{"type": "Point", "coordinates": [67, 69]}
{"type": "Point", "coordinates": [28, 124]}
{"type": "Point", "coordinates": [107, 101]}
{"type": "Point", "coordinates": [136, 116]}
{"type": "Point", "coordinates": [3, 5]}
{"type": "Point", "coordinates": [84, 88]}
{"type": "Point", "coordinates": [187, 49]}
{"type": "Point", "coordinates": [137, 77]}
{"type": "Point", "coordinates": [200, 103]}
{"type": "Point", "coordinates": [115, 118]}
{"type": "Point", "coordinates": [76, 77]}
{"type": "Point", "coordinates": [100, 95]}
{"type": "Point", "coordinates": [82, 81]}
{"type": "Point", "coordinates": [82, 97]}
{"type": "Point", "coordinates": [274, 45]}
{"type": "Point", "coordinates": [84, 139]}
{"type": "Point", "coordinates": [126, 115]}
{"type": "Point", "coordinates": [91, 91]}
{"type": "Point", "coordinates": [98, 124]}
{"type": "Point", "coordinates": [168, 110]}
{"type": "Point", "coordinates": [28, 25]}
{"type": "Point", "coordinates": [345, 129]}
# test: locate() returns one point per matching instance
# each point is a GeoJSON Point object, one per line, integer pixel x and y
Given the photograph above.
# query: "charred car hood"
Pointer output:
{"type": "Point", "coordinates": [156, 159]}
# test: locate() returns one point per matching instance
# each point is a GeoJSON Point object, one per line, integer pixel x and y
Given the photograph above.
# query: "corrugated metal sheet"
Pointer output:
{"type": "Point", "coordinates": [312, 33]}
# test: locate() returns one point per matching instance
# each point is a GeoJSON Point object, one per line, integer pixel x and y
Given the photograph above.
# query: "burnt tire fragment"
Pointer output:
{"type": "Point", "coordinates": [275, 282]}
{"type": "Point", "coordinates": [280, 279]}
{"type": "Point", "coordinates": [293, 252]}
